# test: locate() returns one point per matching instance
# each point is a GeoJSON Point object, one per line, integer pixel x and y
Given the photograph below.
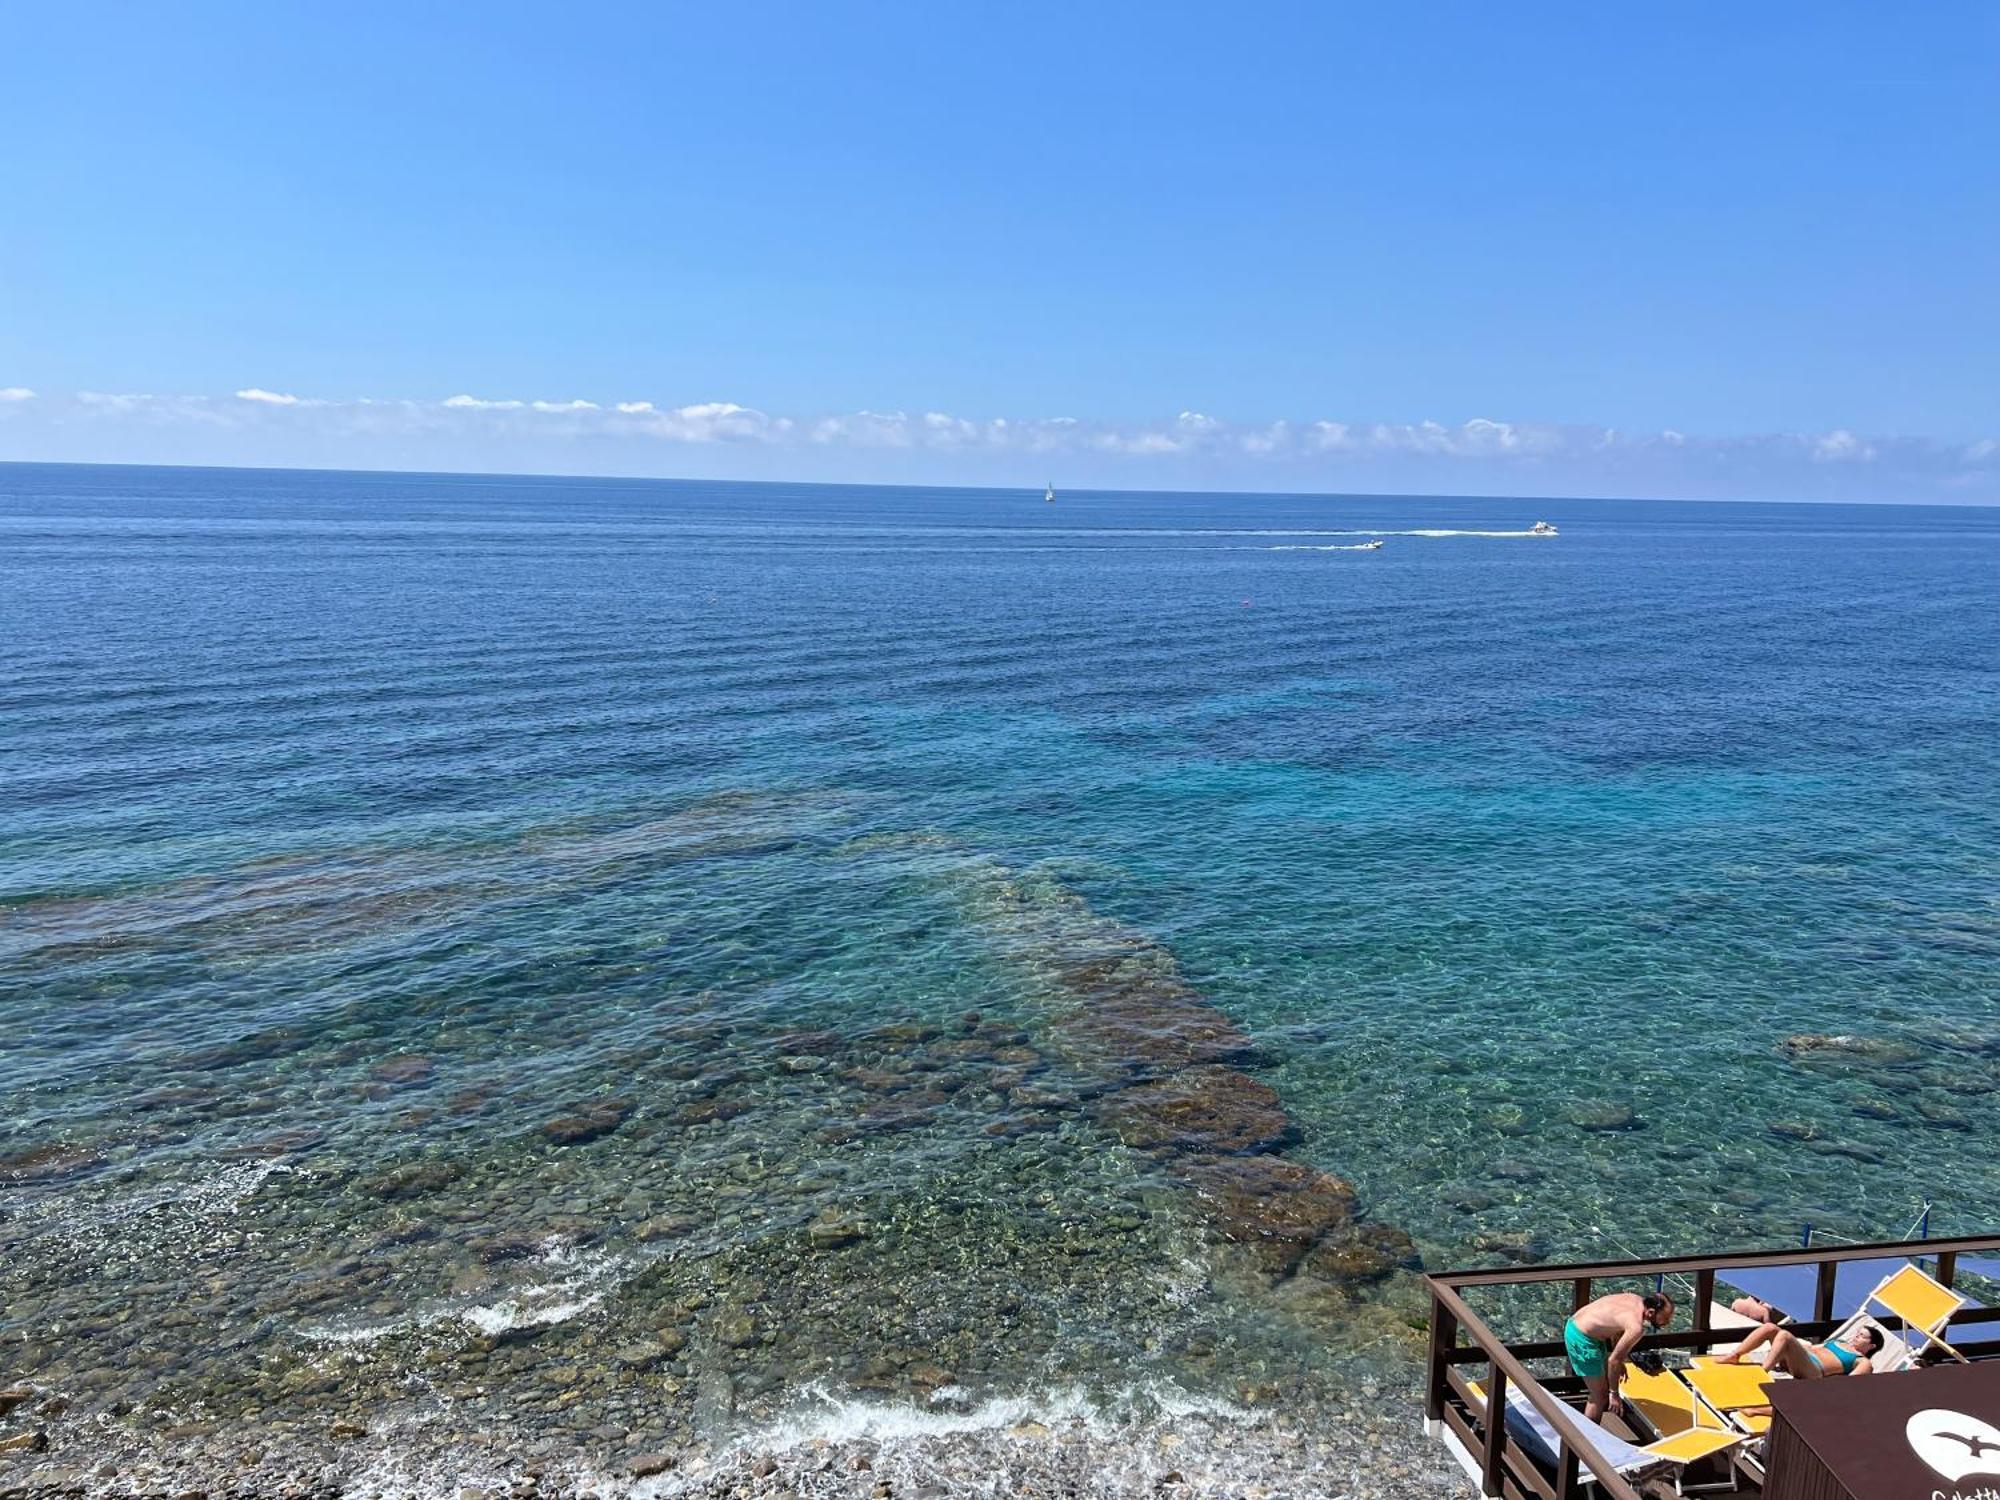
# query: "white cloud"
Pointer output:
{"type": "Point", "coordinates": [1190, 446]}
{"type": "Point", "coordinates": [1841, 446]}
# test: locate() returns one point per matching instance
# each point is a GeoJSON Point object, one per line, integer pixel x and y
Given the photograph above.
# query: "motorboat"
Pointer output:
{"type": "Point", "coordinates": [1542, 528]}
{"type": "Point", "coordinates": [1374, 546]}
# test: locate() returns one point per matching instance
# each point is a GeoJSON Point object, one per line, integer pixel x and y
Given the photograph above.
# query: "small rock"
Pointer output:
{"type": "Point", "coordinates": [14, 1396]}
{"type": "Point", "coordinates": [1936, 1113]}
{"type": "Point", "coordinates": [831, 1230]}
{"type": "Point", "coordinates": [1602, 1114]}
{"type": "Point", "coordinates": [587, 1123]}
{"type": "Point", "coordinates": [25, 1442]}
{"type": "Point", "coordinates": [404, 1068]}
{"type": "Point", "coordinates": [764, 1467]}
{"type": "Point", "coordinates": [648, 1464]}
{"type": "Point", "coordinates": [345, 1429]}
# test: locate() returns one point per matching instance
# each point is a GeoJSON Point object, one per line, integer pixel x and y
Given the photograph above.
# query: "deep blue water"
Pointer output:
{"type": "Point", "coordinates": [585, 788]}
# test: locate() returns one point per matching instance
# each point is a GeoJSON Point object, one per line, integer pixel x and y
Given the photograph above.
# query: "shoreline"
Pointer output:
{"type": "Point", "coordinates": [1368, 1446]}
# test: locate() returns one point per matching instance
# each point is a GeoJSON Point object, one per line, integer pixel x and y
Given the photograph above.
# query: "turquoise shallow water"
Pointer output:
{"type": "Point", "coordinates": [361, 829]}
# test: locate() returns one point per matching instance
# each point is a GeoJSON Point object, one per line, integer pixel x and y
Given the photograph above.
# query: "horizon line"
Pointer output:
{"type": "Point", "coordinates": [849, 484]}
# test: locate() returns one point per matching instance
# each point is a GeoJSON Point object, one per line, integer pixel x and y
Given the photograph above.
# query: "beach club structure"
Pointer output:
{"type": "Point", "coordinates": [1924, 1426]}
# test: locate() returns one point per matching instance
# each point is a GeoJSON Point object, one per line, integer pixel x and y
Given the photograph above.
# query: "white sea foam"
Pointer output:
{"type": "Point", "coordinates": [1339, 547]}
{"type": "Point", "coordinates": [588, 1277]}
{"type": "Point", "coordinates": [826, 1417]}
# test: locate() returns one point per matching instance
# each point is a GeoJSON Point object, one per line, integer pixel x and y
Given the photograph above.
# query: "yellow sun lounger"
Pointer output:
{"type": "Point", "coordinates": [1924, 1305]}
{"type": "Point", "coordinates": [1687, 1444]}
{"type": "Point", "coordinates": [1726, 1387]}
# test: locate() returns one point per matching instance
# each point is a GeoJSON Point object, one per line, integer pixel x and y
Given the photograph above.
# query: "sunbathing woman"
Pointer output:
{"type": "Point", "coordinates": [1807, 1360]}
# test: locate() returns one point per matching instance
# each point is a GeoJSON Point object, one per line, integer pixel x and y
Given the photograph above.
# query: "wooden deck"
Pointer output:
{"type": "Point", "coordinates": [1471, 1369]}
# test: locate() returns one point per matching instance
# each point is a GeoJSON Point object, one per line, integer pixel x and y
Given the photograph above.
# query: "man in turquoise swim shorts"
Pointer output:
{"type": "Point", "coordinates": [1601, 1334]}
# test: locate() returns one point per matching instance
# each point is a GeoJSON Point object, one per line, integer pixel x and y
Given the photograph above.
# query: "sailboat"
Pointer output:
{"type": "Point", "coordinates": [1049, 494]}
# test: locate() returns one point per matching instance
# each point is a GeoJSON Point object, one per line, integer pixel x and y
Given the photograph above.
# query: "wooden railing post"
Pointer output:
{"type": "Point", "coordinates": [1579, 1293]}
{"type": "Point", "coordinates": [1823, 1292]}
{"type": "Point", "coordinates": [1947, 1267]}
{"type": "Point", "coordinates": [1566, 1471]}
{"type": "Point", "coordinates": [1444, 1338]}
{"type": "Point", "coordinates": [1704, 1299]}
{"type": "Point", "coordinates": [1496, 1428]}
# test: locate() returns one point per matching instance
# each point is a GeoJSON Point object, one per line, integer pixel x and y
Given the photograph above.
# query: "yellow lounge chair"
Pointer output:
{"type": "Point", "coordinates": [1925, 1306]}
{"type": "Point", "coordinates": [1727, 1387]}
{"type": "Point", "coordinates": [1688, 1430]}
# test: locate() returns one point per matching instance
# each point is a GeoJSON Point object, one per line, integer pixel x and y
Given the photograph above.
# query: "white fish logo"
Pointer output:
{"type": "Point", "coordinates": [1953, 1443]}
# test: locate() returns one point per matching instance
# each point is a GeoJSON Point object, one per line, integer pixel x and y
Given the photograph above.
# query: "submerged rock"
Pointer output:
{"type": "Point", "coordinates": [404, 1068]}
{"type": "Point", "coordinates": [1282, 1208]}
{"type": "Point", "coordinates": [1794, 1130]}
{"type": "Point", "coordinates": [831, 1230]}
{"type": "Point", "coordinates": [1368, 1252]}
{"type": "Point", "coordinates": [1210, 1109]}
{"type": "Point", "coordinates": [49, 1163]}
{"type": "Point", "coordinates": [1818, 1049]}
{"type": "Point", "coordinates": [587, 1123]}
{"type": "Point", "coordinates": [1602, 1114]}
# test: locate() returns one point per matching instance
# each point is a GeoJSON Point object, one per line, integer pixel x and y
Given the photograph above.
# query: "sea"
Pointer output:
{"type": "Point", "coordinates": [598, 964]}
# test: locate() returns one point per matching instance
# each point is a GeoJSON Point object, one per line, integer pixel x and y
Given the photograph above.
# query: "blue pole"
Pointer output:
{"type": "Point", "coordinates": [1805, 1238]}
{"type": "Point", "coordinates": [1924, 1224]}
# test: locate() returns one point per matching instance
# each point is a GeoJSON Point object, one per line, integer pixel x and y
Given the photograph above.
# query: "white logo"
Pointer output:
{"type": "Point", "coordinates": [1953, 1443]}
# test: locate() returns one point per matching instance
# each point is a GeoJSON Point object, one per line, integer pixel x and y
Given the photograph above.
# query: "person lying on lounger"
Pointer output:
{"type": "Point", "coordinates": [1806, 1360]}
{"type": "Point", "coordinates": [1600, 1337]}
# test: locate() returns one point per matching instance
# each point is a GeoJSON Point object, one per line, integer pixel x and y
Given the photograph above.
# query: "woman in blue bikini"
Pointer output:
{"type": "Point", "coordinates": [1807, 1360]}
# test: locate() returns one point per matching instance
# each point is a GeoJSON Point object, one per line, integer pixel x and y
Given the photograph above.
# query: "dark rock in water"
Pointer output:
{"type": "Point", "coordinates": [904, 1033]}
{"type": "Point", "coordinates": [1876, 1109]}
{"type": "Point", "coordinates": [962, 1049]}
{"type": "Point", "coordinates": [1852, 1150]}
{"type": "Point", "coordinates": [1508, 1244]}
{"type": "Point", "coordinates": [49, 1163]}
{"type": "Point", "coordinates": [831, 1230]}
{"type": "Point", "coordinates": [1602, 1114]}
{"type": "Point", "coordinates": [587, 1123]}
{"type": "Point", "coordinates": [1210, 1109]}
{"type": "Point", "coordinates": [1471, 1200]}
{"type": "Point", "coordinates": [1794, 1130]}
{"type": "Point", "coordinates": [1509, 1119]}
{"type": "Point", "coordinates": [1151, 1032]}
{"type": "Point", "coordinates": [1281, 1207]}
{"type": "Point", "coordinates": [1968, 1039]}
{"type": "Point", "coordinates": [345, 1429]}
{"type": "Point", "coordinates": [405, 1068]}
{"type": "Point", "coordinates": [26, 1442]}
{"type": "Point", "coordinates": [647, 1465]}
{"type": "Point", "coordinates": [284, 1143]}
{"type": "Point", "coordinates": [1942, 1116]}
{"type": "Point", "coordinates": [1367, 1253]}
{"type": "Point", "coordinates": [14, 1396]}
{"type": "Point", "coordinates": [640, 1356]}
{"type": "Point", "coordinates": [414, 1179]}
{"type": "Point", "coordinates": [1517, 1171]}
{"type": "Point", "coordinates": [1957, 1080]}
{"type": "Point", "coordinates": [1811, 1049]}
{"type": "Point", "coordinates": [263, 1046]}
{"type": "Point", "coordinates": [706, 1111]}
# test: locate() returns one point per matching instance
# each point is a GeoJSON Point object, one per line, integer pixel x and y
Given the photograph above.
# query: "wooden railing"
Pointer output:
{"type": "Point", "coordinates": [1478, 1419]}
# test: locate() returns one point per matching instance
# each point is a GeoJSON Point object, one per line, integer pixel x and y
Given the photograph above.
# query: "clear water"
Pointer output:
{"type": "Point", "coordinates": [357, 827]}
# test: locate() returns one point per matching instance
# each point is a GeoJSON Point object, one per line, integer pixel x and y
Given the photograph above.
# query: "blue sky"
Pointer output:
{"type": "Point", "coordinates": [1702, 249]}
